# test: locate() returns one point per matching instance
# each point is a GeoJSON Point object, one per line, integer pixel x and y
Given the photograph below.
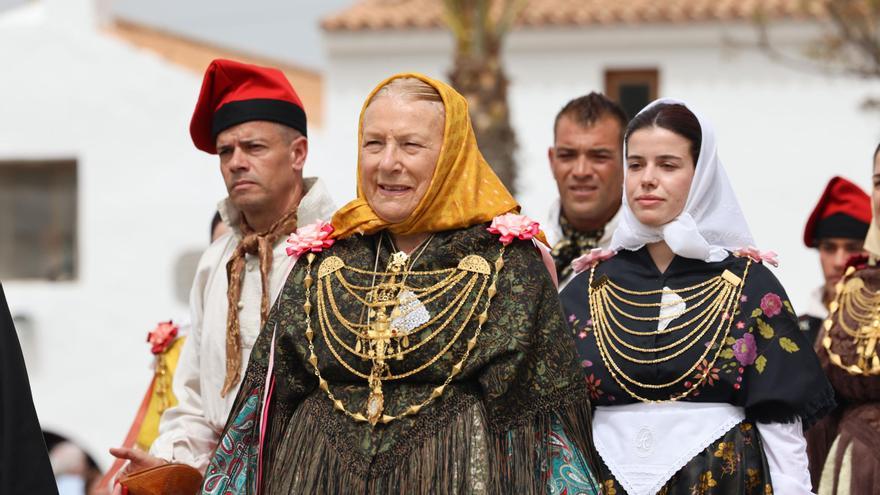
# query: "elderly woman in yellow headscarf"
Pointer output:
{"type": "Point", "coordinates": [418, 345]}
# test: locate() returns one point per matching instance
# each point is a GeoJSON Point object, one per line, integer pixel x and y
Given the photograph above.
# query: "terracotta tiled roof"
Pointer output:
{"type": "Point", "coordinates": [422, 14]}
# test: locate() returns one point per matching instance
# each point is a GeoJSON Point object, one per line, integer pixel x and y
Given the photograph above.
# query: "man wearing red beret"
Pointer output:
{"type": "Point", "coordinates": [837, 228]}
{"type": "Point", "coordinates": [254, 121]}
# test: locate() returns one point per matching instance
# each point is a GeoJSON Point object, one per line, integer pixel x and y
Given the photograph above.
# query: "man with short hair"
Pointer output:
{"type": "Point", "coordinates": [587, 163]}
{"type": "Point", "coordinates": [254, 121]}
{"type": "Point", "coordinates": [836, 228]}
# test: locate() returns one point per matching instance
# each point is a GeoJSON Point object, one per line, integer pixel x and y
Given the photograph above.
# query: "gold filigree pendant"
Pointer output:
{"type": "Point", "coordinates": [375, 405]}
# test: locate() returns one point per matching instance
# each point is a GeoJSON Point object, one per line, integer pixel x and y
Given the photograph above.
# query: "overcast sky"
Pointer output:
{"type": "Point", "coordinates": [283, 29]}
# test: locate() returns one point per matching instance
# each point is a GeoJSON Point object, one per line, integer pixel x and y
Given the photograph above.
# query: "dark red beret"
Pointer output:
{"type": "Point", "coordinates": [844, 210]}
{"type": "Point", "coordinates": [233, 93]}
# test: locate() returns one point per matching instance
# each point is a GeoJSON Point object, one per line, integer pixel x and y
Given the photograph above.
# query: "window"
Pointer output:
{"type": "Point", "coordinates": [38, 217]}
{"type": "Point", "coordinates": [632, 89]}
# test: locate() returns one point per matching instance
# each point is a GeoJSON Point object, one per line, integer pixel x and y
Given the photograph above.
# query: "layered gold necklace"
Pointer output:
{"type": "Point", "coordinates": [856, 310]}
{"type": "Point", "coordinates": [707, 308]}
{"type": "Point", "coordinates": [398, 322]}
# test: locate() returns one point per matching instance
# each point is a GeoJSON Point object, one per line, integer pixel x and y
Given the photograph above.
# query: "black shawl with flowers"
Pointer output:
{"type": "Point", "coordinates": [766, 365]}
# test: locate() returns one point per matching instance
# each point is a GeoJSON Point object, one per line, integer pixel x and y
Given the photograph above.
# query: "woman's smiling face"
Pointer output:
{"type": "Point", "coordinates": [400, 146]}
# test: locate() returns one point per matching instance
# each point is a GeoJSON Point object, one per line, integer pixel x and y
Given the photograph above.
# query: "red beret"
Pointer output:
{"type": "Point", "coordinates": [844, 210]}
{"type": "Point", "coordinates": [233, 93]}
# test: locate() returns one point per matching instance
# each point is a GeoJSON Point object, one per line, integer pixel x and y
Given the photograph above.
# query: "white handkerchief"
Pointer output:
{"type": "Point", "coordinates": [644, 444]}
{"type": "Point", "coordinates": [671, 304]}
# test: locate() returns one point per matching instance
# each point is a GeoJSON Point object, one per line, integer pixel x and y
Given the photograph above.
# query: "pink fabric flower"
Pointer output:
{"type": "Point", "coordinates": [757, 255]}
{"type": "Point", "coordinates": [745, 350]}
{"type": "Point", "coordinates": [591, 259]}
{"type": "Point", "coordinates": [511, 226]}
{"type": "Point", "coordinates": [771, 304]}
{"type": "Point", "coordinates": [314, 237]}
{"type": "Point", "coordinates": [162, 336]}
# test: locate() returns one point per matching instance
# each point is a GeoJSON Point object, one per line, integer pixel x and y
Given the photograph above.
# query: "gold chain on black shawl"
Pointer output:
{"type": "Point", "coordinates": [856, 310]}
{"type": "Point", "coordinates": [398, 317]}
{"type": "Point", "coordinates": [712, 304]}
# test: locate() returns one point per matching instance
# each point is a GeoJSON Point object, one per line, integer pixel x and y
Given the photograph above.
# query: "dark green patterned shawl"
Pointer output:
{"type": "Point", "coordinates": [489, 432]}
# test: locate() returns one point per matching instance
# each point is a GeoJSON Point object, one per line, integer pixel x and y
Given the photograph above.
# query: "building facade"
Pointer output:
{"type": "Point", "coordinates": [783, 130]}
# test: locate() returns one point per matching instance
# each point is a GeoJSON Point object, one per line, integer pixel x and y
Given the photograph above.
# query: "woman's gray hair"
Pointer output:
{"type": "Point", "coordinates": [410, 88]}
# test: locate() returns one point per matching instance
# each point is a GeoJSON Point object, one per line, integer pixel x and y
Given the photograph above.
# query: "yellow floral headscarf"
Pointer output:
{"type": "Point", "coordinates": [464, 190]}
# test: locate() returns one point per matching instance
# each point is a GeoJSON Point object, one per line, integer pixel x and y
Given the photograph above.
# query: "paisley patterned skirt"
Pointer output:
{"type": "Point", "coordinates": [734, 464]}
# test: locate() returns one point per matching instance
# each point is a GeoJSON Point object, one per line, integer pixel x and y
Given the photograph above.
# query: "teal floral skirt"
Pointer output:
{"type": "Point", "coordinates": [734, 464]}
{"type": "Point", "coordinates": [569, 471]}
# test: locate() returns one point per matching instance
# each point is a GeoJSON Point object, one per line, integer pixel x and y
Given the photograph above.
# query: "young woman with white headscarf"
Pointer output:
{"type": "Point", "coordinates": [691, 351]}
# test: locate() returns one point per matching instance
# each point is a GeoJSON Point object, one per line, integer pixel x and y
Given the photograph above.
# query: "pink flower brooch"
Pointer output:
{"type": "Point", "coordinates": [591, 259]}
{"type": "Point", "coordinates": [314, 238]}
{"type": "Point", "coordinates": [758, 256]}
{"type": "Point", "coordinates": [162, 336]}
{"type": "Point", "coordinates": [511, 226]}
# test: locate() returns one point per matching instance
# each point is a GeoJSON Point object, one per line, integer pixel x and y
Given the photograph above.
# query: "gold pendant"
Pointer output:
{"type": "Point", "coordinates": [375, 404]}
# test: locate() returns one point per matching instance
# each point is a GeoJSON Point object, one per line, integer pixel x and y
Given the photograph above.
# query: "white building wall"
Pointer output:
{"type": "Point", "coordinates": [145, 196]}
{"type": "Point", "coordinates": [782, 133]}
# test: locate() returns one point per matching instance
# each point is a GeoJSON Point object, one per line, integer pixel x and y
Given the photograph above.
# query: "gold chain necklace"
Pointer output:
{"type": "Point", "coordinates": [855, 302]}
{"type": "Point", "coordinates": [719, 304]}
{"type": "Point", "coordinates": [403, 348]}
{"type": "Point", "coordinates": [353, 327]}
{"type": "Point", "coordinates": [609, 301]}
{"type": "Point", "coordinates": [380, 337]}
{"type": "Point", "coordinates": [700, 330]}
{"type": "Point", "coordinates": [658, 292]}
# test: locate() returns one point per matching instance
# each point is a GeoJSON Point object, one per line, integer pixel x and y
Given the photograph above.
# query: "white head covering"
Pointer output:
{"type": "Point", "coordinates": [711, 223]}
{"type": "Point", "coordinates": [872, 240]}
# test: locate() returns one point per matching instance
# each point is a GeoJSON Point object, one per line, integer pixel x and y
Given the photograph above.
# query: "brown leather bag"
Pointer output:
{"type": "Point", "coordinates": [167, 479]}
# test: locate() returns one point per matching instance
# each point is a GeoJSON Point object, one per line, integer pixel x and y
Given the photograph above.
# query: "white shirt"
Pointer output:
{"type": "Point", "coordinates": [189, 432]}
{"type": "Point", "coordinates": [554, 233]}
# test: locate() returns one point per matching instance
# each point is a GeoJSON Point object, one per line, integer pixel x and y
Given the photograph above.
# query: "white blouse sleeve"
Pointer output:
{"type": "Point", "coordinates": [185, 435]}
{"type": "Point", "coordinates": [786, 450]}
